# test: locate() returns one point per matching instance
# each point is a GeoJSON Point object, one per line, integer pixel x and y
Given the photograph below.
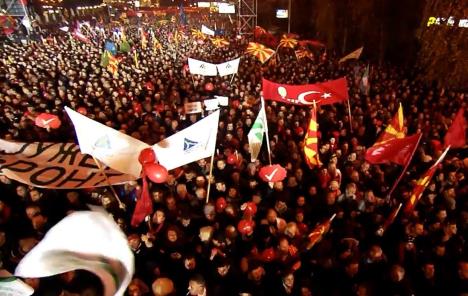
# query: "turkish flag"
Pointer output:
{"type": "Point", "coordinates": [334, 91]}
{"type": "Point", "coordinates": [456, 135]}
{"type": "Point", "coordinates": [398, 151]}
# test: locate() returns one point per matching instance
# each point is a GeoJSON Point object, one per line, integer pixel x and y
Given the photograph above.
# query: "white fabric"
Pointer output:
{"type": "Point", "coordinates": [228, 68]}
{"type": "Point", "coordinates": [207, 31]}
{"type": "Point", "coordinates": [115, 149]}
{"type": "Point", "coordinates": [196, 142]}
{"type": "Point", "coordinates": [83, 240]}
{"type": "Point", "coordinates": [202, 68]}
{"type": "Point", "coordinates": [12, 286]}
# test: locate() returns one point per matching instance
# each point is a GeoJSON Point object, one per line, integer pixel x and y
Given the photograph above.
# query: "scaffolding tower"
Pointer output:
{"type": "Point", "coordinates": [247, 17]}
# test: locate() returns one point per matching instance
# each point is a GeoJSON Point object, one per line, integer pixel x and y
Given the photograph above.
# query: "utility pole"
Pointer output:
{"type": "Point", "coordinates": [289, 16]}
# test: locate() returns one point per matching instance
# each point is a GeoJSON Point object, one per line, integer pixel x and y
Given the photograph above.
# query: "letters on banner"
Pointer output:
{"type": "Point", "coordinates": [54, 165]}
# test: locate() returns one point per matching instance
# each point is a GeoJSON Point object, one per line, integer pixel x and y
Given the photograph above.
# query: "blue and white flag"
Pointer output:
{"type": "Point", "coordinates": [196, 142]}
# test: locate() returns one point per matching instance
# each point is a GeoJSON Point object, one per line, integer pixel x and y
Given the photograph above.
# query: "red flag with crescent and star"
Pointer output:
{"type": "Point", "coordinates": [324, 93]}
{"type": "Point", "coordinates": [398, 151]}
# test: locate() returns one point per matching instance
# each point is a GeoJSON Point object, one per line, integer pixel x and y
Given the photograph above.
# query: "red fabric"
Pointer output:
{"type": "Point", "coordinates": [456, 135]}
{"type": "Point", "coordinates": [398, 151]}
{"type": "Point", "coordinates": [324, 93]}
{"type": "Point", "coordinates": [144, 205]}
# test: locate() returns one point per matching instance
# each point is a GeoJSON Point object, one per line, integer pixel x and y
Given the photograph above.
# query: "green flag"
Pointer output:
{"type": "Point", "coordinates": [105, 59]}
{"type": "Point", "coordinates": [256, 133]}
{"type": "Point", "coordinates": [124, 46]}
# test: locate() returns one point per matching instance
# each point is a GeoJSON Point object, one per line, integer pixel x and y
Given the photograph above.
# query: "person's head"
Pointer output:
{"type": "Point", "coordinates": [162, 287]}
{"type": "Point", "coordinates": [283, 245]}
{"type": "Point", "coordinates": [134, 241]}
{"type": "Point", "coordinates": [197, 285]}
{"type": "Point", "coordinates": [271, 216]}
{"type": "Point", "coordinates": [397, 273]}
{"type": "Point", "coordinates": [159, 217]}
{"type": "Point", "coordinates": [352, 268]}
{"type": "Point", "coordinates": [21, 191]}
{"type": "Point", "coordinates": [190, 262]}
{"type": "Point", "coordinates": [463, 270]}
{"type": "Point", "coordinates": [428, 270]}
{"type": "Point", "coordinates": [223, 267]}
{"type": "Point", "coordinates": [172, 235]}
{"type": "Point", "coordinates": [288, 280]}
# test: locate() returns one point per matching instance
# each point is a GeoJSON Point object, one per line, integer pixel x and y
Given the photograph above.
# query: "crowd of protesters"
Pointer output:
{"type": "Point", "coordinates": [189, 247]}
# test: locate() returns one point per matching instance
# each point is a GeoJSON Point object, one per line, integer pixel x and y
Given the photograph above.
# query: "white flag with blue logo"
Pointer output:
{"type": "Point", "coordinates": [228, 68]}
{"type": "Point", "coordinates": [196, 142]}
{"type": "Point", "coordinates": [202, 68]}
{"type": "Point", "coordinates": [115, 149]}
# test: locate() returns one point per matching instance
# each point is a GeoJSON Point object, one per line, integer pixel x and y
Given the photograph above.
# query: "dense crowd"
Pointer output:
{"type": "Point", "coordinates": [190, 244]}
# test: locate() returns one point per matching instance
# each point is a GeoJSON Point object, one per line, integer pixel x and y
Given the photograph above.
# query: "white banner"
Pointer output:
{"type": "Point", "coordinates": [191, 144]}
{"type": "Point", "coordinates": [193, 107]}
{"type": "Point", "coordinates": [207, 31]}
{"type": "Point", "coordinates": [202, 68]}
{"type": "Point", "coordinates": [115, 149]}
{"type": "Point", "coordinates": [12, 286]}
{"type": "Point", "coordinates": [228, 68]}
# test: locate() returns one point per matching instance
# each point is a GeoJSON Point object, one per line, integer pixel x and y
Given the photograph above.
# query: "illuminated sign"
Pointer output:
{"type": "Point", "coordinates": [282, 13]}
{"type": "Point", "coordinates": [204, 4]}
{"type": "Point", "coordinates": [450, 22]}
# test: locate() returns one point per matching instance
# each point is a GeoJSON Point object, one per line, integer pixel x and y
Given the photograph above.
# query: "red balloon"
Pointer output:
{"type": "Point", "coordinates": [147, 155]}
{"type": "Point", "coordinates": [82, 110]}
{"type": "Point", "coordinates": [209, 86]}
{"type": "Point", "coordinates": [155, 172]}
{"type": "Point", "coordinates": [46, 120]}
{"type": "Point", "coordinates": [245, 227]}
{"type": "Point", "coordinates": [249, 208]}
{"type": "Point", "coordinates": [232, 159]}
{"type": "Point", "coordinates": [137, 107]}
{"type": "Point", "coordinates": [221, 204]}
{"type": "Point", "coordinates": [268, 255]}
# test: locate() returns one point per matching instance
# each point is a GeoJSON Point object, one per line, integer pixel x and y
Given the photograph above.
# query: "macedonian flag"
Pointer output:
{"type": "Point", "coordinates": [396, 128]}
{"type": "Point", "coordinates": [422, 183]}
{"type": "Point", "coordinates": [311, 142]}
{"type": "Point", "coordinates": [219, 42]}
{"type": "Point", "coordinates": [259, 51]}
{"type": "Point", "coordinates": [287, 41]}
{"type": "Point", "coordinates": [113, 64]}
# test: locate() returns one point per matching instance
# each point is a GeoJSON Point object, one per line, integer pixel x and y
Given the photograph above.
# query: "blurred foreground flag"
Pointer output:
{"type": "Point", "coordinates": [83, 240]}
{"type": "Point", "coordinates": [354, 55]}
{"type": "Point", "coordinates": [193, 143]}
{"type": "Point", "coordinates": [398, 151]}
{"type": "Point", "coordinates": [12, 286]}
{"type": "Point", "coordinates": [115, 149]}
{"type": "Point", "coordinates": [456, 134]}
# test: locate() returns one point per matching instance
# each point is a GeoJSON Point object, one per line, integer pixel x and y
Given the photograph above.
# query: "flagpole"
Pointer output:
{"type": "Point", "coordinates": [350, 116]}
{"type": "Point", "coordinates": [232, 78]}
{"type": "Point", "coordinates": [210, 176]}
{"type": "Point", "coordinates": [266, 130]}
{"type": "Point", "coordinates": [404, 169]}
{"type": "Point", "coordinates": [101, 170]}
